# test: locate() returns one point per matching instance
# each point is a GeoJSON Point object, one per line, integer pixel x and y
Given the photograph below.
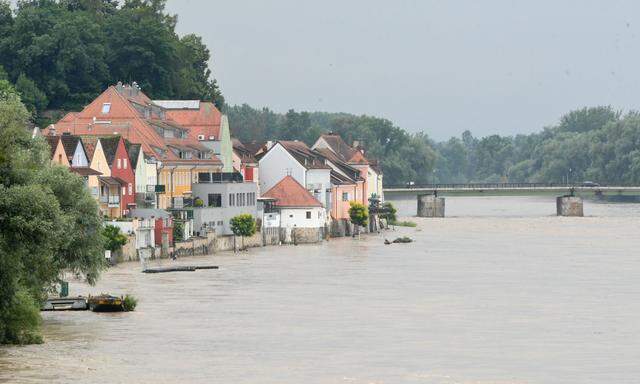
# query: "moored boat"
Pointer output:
{"type": "Point", "coordinates": [106, 303]}
{"type": "Point", "coordinates": [65, 304]}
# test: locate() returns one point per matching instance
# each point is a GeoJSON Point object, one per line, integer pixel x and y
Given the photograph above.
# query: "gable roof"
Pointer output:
{"type": "Point", "coordinates": [53, 144]}
{"type": "Point", "coordinates": [133, 150]}
{"type": "Point", "coordinates": [89, 143]}
{"type": "Point", "coordinates": [110, 147]}
{"type": "Point", "coordinates": [69, 143]}
{"type": "Point", "coordinates": [289, 193]}
{"type": "Point", "coordinates": [305, 156]}
{"type": "Point", "coordinates": [245, 155]}
{"type": "Point", "coordinates": [347, 153]}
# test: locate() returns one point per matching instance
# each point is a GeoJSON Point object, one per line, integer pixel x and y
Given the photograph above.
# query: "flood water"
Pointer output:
{"type": "Point", "coordinates": [502, 291]}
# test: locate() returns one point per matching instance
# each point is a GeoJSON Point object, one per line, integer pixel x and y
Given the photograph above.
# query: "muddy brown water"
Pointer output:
{"type": "Point", "coordinates": [501, 291]}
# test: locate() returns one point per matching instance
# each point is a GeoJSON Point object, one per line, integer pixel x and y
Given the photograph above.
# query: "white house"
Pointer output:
{"type": "Point", "coordinates": [295, 159]}
{"type": "Point", "coordinates": [302, 216]}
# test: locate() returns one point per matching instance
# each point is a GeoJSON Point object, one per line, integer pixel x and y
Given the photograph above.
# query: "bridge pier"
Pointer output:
{"type": "Point", "coordinates": [430, 206]}
{"type": "Point", "coordinates": [569, 206]}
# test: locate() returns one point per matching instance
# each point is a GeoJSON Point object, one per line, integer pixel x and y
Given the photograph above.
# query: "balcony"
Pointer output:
{"type": "Point", "coordinates": [114, 201]}
{"type": "Point", "coordinates": [220, 177]}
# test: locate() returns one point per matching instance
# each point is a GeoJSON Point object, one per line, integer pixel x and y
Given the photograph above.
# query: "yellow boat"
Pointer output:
{"type": "Point", "coordinates": [106, 303]}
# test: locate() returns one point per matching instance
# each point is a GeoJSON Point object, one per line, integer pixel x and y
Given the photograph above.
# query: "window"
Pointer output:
{"type": "Point", "coordinates": [106, 107]}
{"type": "Point", "coordinates": [308, 214]}
{"type": "Point", "coordinates": [232, 200]}
{"type": "Point", "coordinates": [220, 223]}
{"type": "Point", "coordinates": [125, 163]}
{"type": "Point", "coordinates": [124, 191]}
{"type": "Point", "coordinates": [59, 159]}
{"type": "Point", "coordinates": [215, 200]}
{"type": "Point", "coordinates": [345, 196]}
{"type": "Point", "coordinates": [119, 164]}
{"type": "Point", "coordinates": [130, 189]}
{"type": "Point", "coordinates": [238, 201]}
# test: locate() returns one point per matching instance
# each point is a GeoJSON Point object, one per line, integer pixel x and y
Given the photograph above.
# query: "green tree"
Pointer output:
{"type": "Point", "coordinates": [114, 238]}
{"type": "Point", "coordinates": [358, 214]}
{"type": "Point", "coordinates": [243, 225]}
{"type": "Point", "coordinates": [48, 224]}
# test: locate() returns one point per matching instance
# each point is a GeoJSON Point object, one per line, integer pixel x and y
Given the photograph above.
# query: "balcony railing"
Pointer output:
{"type": "Point", "coordinates": [220, 177]}
{"type": "Point", "coordinates": [111, 200]}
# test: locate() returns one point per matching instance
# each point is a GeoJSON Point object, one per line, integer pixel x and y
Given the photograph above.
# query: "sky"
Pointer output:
{"type": "Point", "coordinates": [442, 67]}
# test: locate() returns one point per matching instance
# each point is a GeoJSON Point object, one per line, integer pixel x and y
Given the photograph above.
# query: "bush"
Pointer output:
{"type": "Point", "coordinates": [178, 230]}
{"type": "Point", "coordinates": [130, 303]}
{"type": "Point", "coordinates": [198, 202]}
{"type": "Point", "coordinates": [21, 323]}
{"type": "Point", "coordinates": [115, 239]}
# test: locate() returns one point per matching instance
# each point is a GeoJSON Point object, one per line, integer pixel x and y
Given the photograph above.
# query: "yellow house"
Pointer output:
{"type": "Point", "coordinates": [58, 154]}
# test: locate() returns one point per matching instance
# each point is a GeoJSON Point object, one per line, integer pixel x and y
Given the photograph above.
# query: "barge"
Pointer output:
{"type": "Point", "coordinates": [65, 304]}
{"type": "Point", "coordinates": [106, 303]}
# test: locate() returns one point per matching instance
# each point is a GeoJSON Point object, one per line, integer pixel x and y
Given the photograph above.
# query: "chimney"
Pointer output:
{"type": "Point", "coordinates": [356, 143]}
{"type": "Point", "coordinates": [52, 130]}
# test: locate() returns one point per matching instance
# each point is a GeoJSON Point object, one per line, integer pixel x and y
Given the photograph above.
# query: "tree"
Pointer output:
{"type": "Point", "coordinates": [389, 213]}
{"type": "Point", "coordinates": [178, 230]}
{"type": "Point", "coordinates": [114, 238]}
{"type": "Point", "coordinates": [49, 223]}
{"type": "Point", "coordinates": [243, 225]}
{"type": "Point", "coordinates": [358, 214]}
{"type": "Point", "coordinates": [33, 98]}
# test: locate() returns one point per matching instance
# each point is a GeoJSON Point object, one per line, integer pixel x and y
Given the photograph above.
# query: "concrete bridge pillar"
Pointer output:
{"type": "Point", "coordinates": [569, 206]}
{"type": "Point", "coordinates": [430, 206]}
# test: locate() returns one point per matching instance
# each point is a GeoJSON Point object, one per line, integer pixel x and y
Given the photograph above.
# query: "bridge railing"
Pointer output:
{"type": "Point", "coordinates": [484, 186]}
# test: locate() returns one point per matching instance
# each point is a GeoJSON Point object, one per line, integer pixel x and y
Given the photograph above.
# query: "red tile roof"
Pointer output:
{"type": "Point", "coordinates": [289, 193]}
{"type": "Point", "coordinates": [202, 121]}
{"type": "Point", "coordinates": [133, 116]}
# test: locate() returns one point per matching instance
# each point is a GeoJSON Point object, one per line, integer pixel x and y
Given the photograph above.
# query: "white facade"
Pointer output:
{"type": "Point", "coordinates": [310, 217]}
{"type": "Point", "coordinates": [318, 181]}
{"type": "Point", "coordinates": [374, 185]}
{"type": "Point", "coordinates": [278, 163]}
{"type": "Point", "coordinates": [79, 156]}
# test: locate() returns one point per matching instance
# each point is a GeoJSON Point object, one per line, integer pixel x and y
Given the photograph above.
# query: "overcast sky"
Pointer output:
{"type": "Point", "coordinates": [439, 66]}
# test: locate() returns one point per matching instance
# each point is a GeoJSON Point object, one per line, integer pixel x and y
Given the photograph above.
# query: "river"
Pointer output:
{"type": "Point", "coordinates": [502, 291]}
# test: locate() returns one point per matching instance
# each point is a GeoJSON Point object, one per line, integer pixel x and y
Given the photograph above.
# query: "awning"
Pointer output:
{"type": "Point", "coordinates": [111, 180]}
{"type": "Point", "coordinates": [85, 171]}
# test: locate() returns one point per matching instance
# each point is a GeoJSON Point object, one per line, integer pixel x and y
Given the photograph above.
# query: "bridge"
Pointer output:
{"type": "Point", "coordinates": [431, 202]}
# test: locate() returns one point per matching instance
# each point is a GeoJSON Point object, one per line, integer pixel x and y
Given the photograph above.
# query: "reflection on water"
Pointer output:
{"type": "Point", "coordinates": [480, 299]}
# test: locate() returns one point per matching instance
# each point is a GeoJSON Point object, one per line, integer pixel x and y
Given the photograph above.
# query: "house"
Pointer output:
{"type": "Point", "coordinates": [354, 157]}
{"type": "Point", "coordinates": [347, 185]}
{"type": "Point", "coordinates": [125, 111]}
{"type": "Point", "coordinates": [122, 171]}
{"type": "Point", "coordinates": [204, 123]}
{"type": "Point", "coordinates": [302, 216]}
{"type": "Point", "coordinates": [58, 154]}
{"type": "Point", "coordinates": [145, 169]}
{"type": "Point", "coordinates": [296, 159]}
{"type": "Point", "coordinates": [244, 161]}
{"type": "Point", "coordinates": [221, 200]}
{"type": "Point", "coordinates": [162, 224]}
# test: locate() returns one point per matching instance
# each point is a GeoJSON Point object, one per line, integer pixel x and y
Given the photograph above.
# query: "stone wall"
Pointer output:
{"type": "Point", "coordinates": [341, 228]}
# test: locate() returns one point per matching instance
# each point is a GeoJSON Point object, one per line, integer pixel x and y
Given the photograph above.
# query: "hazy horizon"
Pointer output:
{"type": "Point", "coordinates": [441, 67]}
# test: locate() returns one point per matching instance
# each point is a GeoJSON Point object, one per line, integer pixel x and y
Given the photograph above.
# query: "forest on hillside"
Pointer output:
{"type": "Point", "coordinates": [60, 54]}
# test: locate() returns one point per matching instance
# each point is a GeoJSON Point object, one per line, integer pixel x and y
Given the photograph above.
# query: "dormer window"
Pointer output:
{"type": "Point", "coordinates": [106, 107]}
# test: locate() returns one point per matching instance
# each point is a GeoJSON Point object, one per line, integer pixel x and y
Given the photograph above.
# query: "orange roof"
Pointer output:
{"type": "Point", "coordinates": [132, 115]}
{"type": "Point", "coordinates": [204, 120]}
{"type": "Point", "coordinates": [289, 193]}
